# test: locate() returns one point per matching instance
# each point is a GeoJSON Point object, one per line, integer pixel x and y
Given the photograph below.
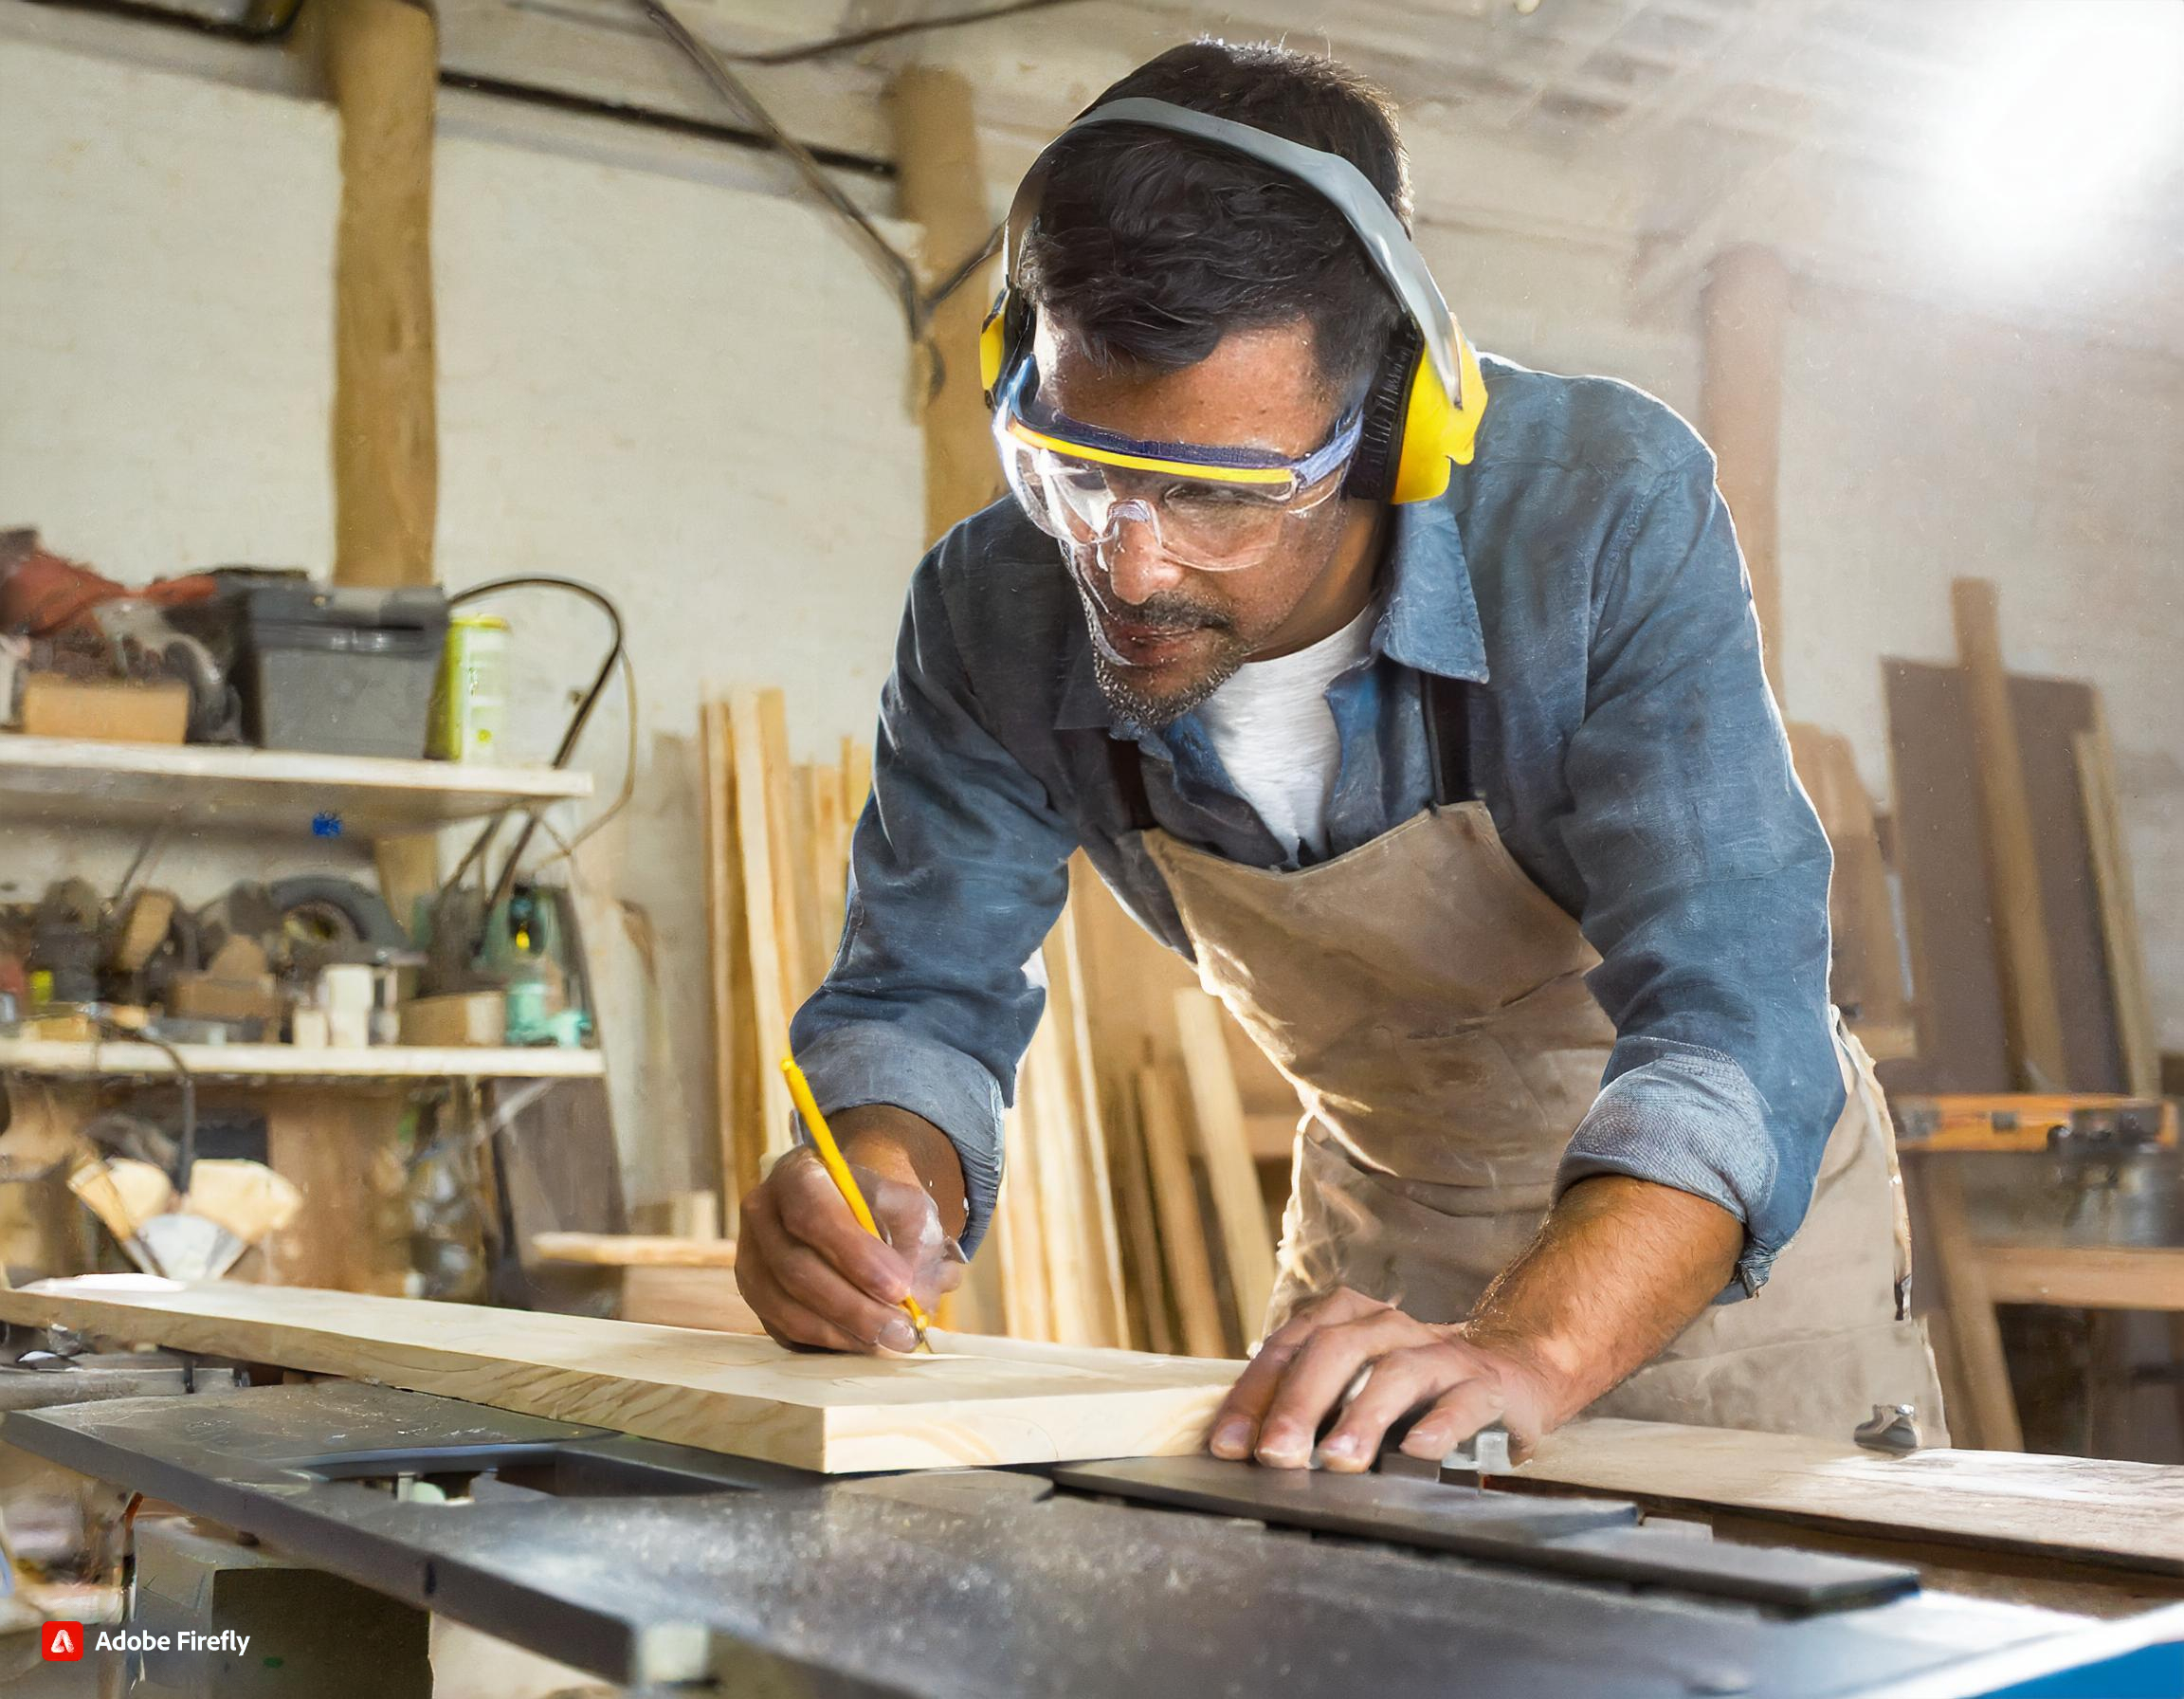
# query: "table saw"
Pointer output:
{"type": "Point", "coordinates": [654, 1566]}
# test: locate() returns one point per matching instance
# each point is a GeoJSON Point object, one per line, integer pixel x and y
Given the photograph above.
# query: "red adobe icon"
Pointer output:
{"type": "Point", "coordinates": [60, 1642]}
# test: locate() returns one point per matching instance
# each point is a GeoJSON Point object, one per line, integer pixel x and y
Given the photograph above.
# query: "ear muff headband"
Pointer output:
{"type": "Point", "coordinates": [1436, 422]}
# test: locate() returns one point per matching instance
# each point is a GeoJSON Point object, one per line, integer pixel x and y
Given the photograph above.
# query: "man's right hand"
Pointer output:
{"type": "Point", "coordinates": [815, 1277]}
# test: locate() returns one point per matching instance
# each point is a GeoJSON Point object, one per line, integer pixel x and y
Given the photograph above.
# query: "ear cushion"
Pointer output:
{"type": "Point", "coordinates": [1380, 435]}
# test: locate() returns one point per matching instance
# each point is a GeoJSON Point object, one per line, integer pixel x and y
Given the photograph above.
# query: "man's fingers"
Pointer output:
{"type": "Point", "coordinates": [1456, 1415]}
{"type": "Point", "coordinates": [786, 1320]}
{"type": "Point", "coordinates": [808, 1279]}
{"type": "Point", "coordinates": [1235, 1431]}
{"type": "Point", "coordinates": [1400, 1383]}
{"type": "Point", "coordinates": [812, 1211]}
{"type": "Point", "coordinates": [1318, 1376]}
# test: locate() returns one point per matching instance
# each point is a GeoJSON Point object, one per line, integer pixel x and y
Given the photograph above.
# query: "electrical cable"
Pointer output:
{"type": "Point", "coordinates": [575, 730]}
{"type": "Point", "coordinates": [568, 847]}
{"type": "Point", "coordinates": [917, 304]}
{"type": "Point", "coordinates": [187, 1154]}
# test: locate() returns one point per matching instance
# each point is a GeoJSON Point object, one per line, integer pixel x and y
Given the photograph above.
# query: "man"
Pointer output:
{"type": "Point", "coordinates": [1470, 801]}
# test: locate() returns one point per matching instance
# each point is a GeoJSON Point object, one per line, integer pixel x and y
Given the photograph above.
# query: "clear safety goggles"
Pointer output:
{"type": "Point", "coordinates": [1211, 509]}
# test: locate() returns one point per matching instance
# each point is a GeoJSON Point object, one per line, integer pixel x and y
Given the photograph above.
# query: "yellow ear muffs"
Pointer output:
{"type": "Point", "coordinates": [993, 346]}
{"type": "Point", "coordinates": [1435, 430]}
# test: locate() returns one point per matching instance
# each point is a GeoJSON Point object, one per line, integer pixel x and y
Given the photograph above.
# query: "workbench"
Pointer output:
{"type": "Point", "coordinates": [655, 1564]}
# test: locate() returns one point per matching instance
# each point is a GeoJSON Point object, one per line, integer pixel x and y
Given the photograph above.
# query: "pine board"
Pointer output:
{"type": "Point", "coordinates": [981, 1403]}
{"type": "Point", "coordinates": [2092, 1510]}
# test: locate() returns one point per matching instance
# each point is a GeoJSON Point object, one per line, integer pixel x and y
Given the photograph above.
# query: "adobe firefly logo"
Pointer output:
{"type": "Point", "coordinates": [60, 1642]}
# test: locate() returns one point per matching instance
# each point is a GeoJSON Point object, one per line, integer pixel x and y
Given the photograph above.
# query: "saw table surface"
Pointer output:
{"type": "Point", "coordinates": [654, 1564]}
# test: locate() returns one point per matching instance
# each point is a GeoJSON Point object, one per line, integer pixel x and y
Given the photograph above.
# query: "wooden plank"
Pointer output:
{"type": "Point", "coordinates": [1183, 1245]}
{"type": "Point", "coordinates": [2111, 861]}
{"type": "Point", "coordinates": [802, 865]}
{"type": "Point", "coordinates": [1066, 1011]}
{"type": "Point", "coordinates": [974, 1402]}
{"type": "Point", "coordinates": [1026, 1294]}
{"type": "Point", "coordinates": [830, 861]}
{"type": "Point", "coordinates": [738, 1105]}
{"type": "Point", "coordinates": [1225, 1146]}
{"type": "Point", "coordinates": [633, 1251]}
{"type": "Point", "coordinates": [2086, 1276]}
{"type": "Point", "coordinates": [2028, 979]}
{"type": "Point", "coordinates": [1045, 1122]}
{"type": "Point", "coordinates": [2050, 714]}
{"type": "Point", "coordinates": [762, 842]}
{"type": "Point", "coordinates": [1146, 1282]}
{"type": "Point", "coordinates": [2092, 1510]}
{"type": "Point", "coordinates": [856, 779]}
{"type": "Point", "coordinates": [1949, 897]}
{"type": "Point", "coordinates": [1948, 914]}
{"type": "Point", "coordinates": [1865, 977]}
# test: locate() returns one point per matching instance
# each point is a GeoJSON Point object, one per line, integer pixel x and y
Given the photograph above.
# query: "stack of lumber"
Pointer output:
{"type": "Point", "coordinates": [1148, 1144]}
{"type": "Point", "coordinates": [777, 877]}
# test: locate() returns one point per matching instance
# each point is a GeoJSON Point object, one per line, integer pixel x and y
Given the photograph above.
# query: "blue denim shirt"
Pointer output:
{"type": "Point", "coordinates": [1583, 572]}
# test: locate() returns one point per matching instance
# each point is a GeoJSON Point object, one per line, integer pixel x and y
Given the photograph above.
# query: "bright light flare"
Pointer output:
{"type": "Point", "coordinates": [2080, 101]}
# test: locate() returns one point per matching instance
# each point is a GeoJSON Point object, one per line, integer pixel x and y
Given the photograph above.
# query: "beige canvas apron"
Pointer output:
{"type": "Point", "coordinates": [1428, 1002]}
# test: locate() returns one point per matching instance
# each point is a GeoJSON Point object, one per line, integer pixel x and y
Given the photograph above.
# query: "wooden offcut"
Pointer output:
{"type": "Point", "coordinates": [978, 1401]}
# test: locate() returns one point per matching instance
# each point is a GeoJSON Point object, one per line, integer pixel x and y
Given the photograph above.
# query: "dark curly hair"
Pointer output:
{"type": "Point", "coordinates": [1151, 246]}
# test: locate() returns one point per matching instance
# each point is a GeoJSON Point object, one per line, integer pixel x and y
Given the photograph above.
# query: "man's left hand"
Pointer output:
{"type": "Point", "coordinates": [1302, 1372]}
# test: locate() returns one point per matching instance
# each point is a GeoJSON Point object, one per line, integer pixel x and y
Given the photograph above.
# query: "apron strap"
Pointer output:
{"type": "Point", "coordinates": [1447, 750]}
{"type": "Point", "coordinates": [1127, 763]}
{"type": "Point", "coordinates": [1448, 737]}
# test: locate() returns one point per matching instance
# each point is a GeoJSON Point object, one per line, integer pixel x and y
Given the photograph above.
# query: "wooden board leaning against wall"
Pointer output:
{"type": "Point", "coordinates": [1088, 1245]}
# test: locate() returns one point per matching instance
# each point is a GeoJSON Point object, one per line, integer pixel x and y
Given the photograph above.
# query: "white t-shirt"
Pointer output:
{"type": "Point", "coordinates": [1275, 733]}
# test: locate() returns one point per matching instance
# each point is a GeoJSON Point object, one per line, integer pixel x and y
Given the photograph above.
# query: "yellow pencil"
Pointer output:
{"type": "Point", "coordinates": [838, 1171]}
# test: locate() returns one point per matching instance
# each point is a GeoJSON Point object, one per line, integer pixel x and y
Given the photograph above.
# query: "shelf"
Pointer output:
{"type": "Point", "coordinates": [54, 1058]}
{"type": "Point", "coordinates": [68, 780]}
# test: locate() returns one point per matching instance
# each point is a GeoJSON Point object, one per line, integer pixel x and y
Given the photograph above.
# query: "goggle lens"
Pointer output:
{"type": "Point", "coordinates": [1206, 525]}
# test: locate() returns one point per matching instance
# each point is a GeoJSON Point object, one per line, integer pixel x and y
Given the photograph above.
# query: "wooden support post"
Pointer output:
{"type": "Point", "coordinates": [2035, 1016]}
{"type": "Point", "coordinates": [1973, 1324]}
{"type": "Point", "coordinates": [1746, 306]}
{"type": "Point", "coordinates": [943, 188]}
{"type": "Point", "coordinates": [383, 64]}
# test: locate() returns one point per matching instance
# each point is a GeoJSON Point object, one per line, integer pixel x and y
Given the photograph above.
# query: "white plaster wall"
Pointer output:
{"type": "Point", "coordinates": [1919, 446]}
{"type": "Point", "coordinates": [691, 395]}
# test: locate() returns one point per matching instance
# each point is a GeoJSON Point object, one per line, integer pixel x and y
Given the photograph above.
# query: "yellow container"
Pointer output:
{"type": "Point", "coordinates": [470, 702]}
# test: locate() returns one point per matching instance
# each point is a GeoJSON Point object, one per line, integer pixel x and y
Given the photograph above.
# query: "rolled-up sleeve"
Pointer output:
{"type": "Point", "coordinates": [1705, 876]}
{"type": "Point", "coordinates": [959, 867]}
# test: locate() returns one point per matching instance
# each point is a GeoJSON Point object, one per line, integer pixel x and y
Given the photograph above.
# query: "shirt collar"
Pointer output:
{"type": "Point", "coordinates": [1429, 622]}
